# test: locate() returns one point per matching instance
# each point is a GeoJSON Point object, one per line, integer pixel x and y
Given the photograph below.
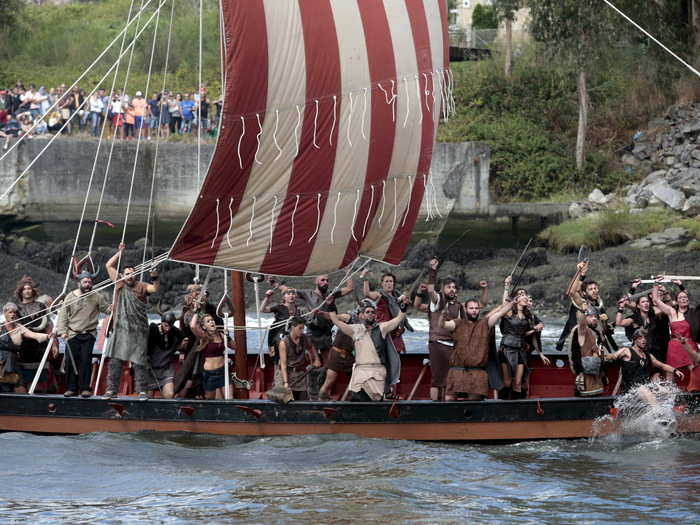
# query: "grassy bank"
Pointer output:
{"type": "Point", "coordinates": [615, 227]}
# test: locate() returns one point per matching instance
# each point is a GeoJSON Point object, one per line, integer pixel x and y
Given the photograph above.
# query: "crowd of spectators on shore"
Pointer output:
{"type": "Point", "coordinates": [54, 111]}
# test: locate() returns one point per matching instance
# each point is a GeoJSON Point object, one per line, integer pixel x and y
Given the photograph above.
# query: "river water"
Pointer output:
{"type": "Point", "coordinates": [179, 478]}
{"type": "Point", "coordinates": [645, 477]}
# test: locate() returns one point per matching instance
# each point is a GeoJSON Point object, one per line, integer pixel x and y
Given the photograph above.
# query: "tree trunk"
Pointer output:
{"type": "Point", "coordinates": [582, 120]}
{"type": "Point", "coordinates": [509, 48]}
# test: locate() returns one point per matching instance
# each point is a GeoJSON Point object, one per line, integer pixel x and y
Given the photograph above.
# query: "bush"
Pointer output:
{"type": "Point", "coordinates": [530, 122]}
{"type": "Point", "coordinates": [608, 228]}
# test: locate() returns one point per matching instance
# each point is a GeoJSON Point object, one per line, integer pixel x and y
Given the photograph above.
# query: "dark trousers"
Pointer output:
{"type": "Point", "coordinates": [80, 346]}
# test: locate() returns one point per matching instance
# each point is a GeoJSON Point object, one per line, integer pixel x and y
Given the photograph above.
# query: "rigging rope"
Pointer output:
{"type": "Point", "coordinates": [199, 103]}
{"type": "Point", "coordinates": [155, 155]}
{"type": "Point", "coordinates": [111, 148]}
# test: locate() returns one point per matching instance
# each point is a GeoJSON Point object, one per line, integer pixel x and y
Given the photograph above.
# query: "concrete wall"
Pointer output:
{"type": "Point", "coordinates": [54, 188]}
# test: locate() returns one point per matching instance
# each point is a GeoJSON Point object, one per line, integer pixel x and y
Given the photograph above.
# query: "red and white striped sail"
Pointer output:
{"type": "Point", "coordinates": [329, 121]}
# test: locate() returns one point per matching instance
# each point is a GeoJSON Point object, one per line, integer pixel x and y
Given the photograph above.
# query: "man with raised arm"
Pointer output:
{"type": "Point", "coordinates": [321, 300]}
{"type": "Point", "coordinates": [129, 341]}
{"type": "Point", "coordinates": [377, 365]}
{"type": "Point", "coordinates": [440, 339]}
{"type": "Point", "coordinates": [587, 349]}
{"type": "Point", "coordinates": [467, 375]}
{"type": "Point", "coordinates": [77, 326]}
{"type": "Point", "coordinates": [387, 299]}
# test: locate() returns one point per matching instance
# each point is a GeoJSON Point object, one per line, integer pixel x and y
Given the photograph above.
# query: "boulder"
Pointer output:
{"type": "Point", "coordinates": [687, 180]}
{"type": "Point", "coordinates": [692, 127]}
{"type": "Point", "coordinates": [597, 197]}
{"type": "Point", "coordinates": [579, 209]}
{"type": "Point", "coordinates": [663, 191]}
{"type": "Point", "coordinates": [695, 154]}
{"type": "Point", "coordinates": [653, 177]}
{"type": "Point", "coordinates": [668, 238]}
{"type": "Point", "coordinates": [692, 206]}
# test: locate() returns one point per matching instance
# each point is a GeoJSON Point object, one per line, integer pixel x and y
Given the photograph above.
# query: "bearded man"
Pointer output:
{"type": "Point", "coordinates": [77, 326]}
{"type": "Point", "coordinates": [377, 363]}
{"type": "Point", "coordinates": [440, 340]}
{"type": "Point", "coordinates": [319, 300]}
{"type": "Point", "coordinates": [467, 374]}
{"type": "Point", "coordinates": [129, 341]}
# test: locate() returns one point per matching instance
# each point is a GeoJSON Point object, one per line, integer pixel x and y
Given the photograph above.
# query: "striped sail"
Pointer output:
{"type": "Point", "coordinates": [329, 122]}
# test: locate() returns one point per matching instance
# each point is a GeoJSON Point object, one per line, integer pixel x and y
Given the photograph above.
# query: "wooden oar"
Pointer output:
{"type": "Point", "coordinates": [426, 363]}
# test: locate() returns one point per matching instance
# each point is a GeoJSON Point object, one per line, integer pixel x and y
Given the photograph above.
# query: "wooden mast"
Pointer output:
{"type": "Point", "coordinates": [239, 334]}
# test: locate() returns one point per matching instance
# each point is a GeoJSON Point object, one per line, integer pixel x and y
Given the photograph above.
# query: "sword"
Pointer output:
{"type": "Point", "coordinates": [669, 278]}
{"type": "Point", "coordinates": [439, 257]}
{"type": "Point", "coordinates": [70, 354]}
{"type": "Point", "coordinates": [527, 247]}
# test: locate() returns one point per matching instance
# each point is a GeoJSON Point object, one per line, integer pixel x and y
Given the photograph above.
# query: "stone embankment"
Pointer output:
{"type": "Point", "coordinates": [666, 156]}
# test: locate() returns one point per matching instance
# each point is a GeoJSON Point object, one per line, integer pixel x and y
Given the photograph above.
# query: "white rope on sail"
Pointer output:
{"type": "Point", "coordinates": [296, 205]}
{"type": "Point", "coordinates": [83, 74]}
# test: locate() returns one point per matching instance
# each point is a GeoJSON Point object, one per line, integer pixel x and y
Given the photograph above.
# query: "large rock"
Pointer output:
{"type": "Point", "coordinates": [671, 197]}
{"type": "Point", "coordinates": [692, 206]}
{"type": "Point", "coordinates": [686, 180]}
{"type": "Point", "coordinates": [597, 197]}
{"type": "Point", "coordinates": [653, 177]}
{"type": "Point", "coordinates": [668, 238]}
{"type": "Point", "coordinates": [579, 209]}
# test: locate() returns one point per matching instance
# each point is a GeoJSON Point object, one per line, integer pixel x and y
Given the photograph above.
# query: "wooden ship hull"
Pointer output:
{"type": "Point", "coordinates": [554, 415]}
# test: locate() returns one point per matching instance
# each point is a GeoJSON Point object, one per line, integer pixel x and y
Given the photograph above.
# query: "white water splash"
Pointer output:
{"type": "Point", "coordinates": [645, 411]}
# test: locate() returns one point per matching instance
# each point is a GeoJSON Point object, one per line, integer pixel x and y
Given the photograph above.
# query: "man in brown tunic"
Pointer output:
{"type": "Point", "coordinates": [467, 375]}
{"type": "Point", "coordinates": [440, 341]}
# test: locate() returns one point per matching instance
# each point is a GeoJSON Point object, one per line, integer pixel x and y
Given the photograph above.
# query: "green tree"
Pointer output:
{"type": "Point", "coordinates": [505, 11]}
{"type": "Point", "coordinates": [10, 12]}
{"type": "Point", "coordinates": [576, 31]}
{"type": "Point", "coordinates": [484, 17]}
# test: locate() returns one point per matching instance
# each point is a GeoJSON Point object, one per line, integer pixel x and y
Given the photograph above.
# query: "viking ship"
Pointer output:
{"type": "Point", "coordinates": [329, 119]}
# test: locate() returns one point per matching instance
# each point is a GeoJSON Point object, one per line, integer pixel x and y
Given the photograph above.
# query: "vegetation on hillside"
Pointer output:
{"type": "Point", "coordinates": [528, 117]}
{"type": "Point", "coordinates": [52, 45]}
{"type": "Point", "coordinates": [530, 122]}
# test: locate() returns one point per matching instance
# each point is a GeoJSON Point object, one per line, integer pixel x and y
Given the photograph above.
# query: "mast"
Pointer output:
{"type": "Point", "coordinates": [239, 333]}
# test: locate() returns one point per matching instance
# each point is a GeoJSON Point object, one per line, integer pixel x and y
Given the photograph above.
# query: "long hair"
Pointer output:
{"type": "Point", "coordinates": [24, 281]}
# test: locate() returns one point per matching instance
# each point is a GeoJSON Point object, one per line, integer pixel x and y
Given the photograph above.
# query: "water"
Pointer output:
{"type": "Point", "coordinates": [179, 478]}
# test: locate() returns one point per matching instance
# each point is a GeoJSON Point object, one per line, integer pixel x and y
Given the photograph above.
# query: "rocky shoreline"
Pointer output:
{"type": "Point", "coordinates": [546, 276]}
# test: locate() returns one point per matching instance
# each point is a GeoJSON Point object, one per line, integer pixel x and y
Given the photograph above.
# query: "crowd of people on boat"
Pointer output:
{"type": "Point", "coordinates": [31, 111]}
{"type": "Point", "coordinates": [311, 343]}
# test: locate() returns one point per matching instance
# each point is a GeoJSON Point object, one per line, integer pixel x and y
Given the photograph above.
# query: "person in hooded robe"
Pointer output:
{"type": "Point", "coordinates": [129, 340]}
